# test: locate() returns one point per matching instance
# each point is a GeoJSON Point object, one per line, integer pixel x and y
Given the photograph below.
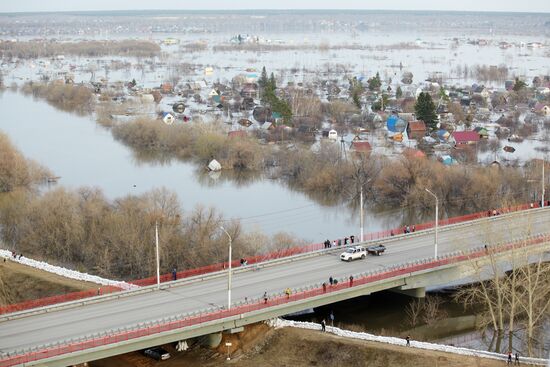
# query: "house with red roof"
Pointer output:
{"type": "Point", "coordinates": [416, 129]}
{"type": "Point", "coordinates": [361, 146]}
{"type": "Point", "coordinates": [463, 138]}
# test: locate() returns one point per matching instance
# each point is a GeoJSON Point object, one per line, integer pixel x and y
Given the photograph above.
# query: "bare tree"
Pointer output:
{"type": "Point", "coordinates": [413, 311]}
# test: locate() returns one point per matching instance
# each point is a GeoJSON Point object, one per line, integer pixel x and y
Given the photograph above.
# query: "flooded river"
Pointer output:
{"type": "Point", "coordinates": [85, 154]}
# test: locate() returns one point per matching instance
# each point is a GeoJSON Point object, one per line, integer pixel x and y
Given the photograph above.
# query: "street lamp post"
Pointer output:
{"type": "Point", "coordinates": [157, 251]}
{"type": "Point", "coordinates": [543, 191]}
{"type": "Point", "coordinates": [229, 273]}
{"type": "Point", "coordinates": [436, 218]}
{"type": "Point", "coordinates": [361, 214]}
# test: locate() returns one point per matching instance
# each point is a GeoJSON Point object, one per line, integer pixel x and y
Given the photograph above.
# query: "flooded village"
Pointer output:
{"type": "Point", "coordinates": [288, 127]}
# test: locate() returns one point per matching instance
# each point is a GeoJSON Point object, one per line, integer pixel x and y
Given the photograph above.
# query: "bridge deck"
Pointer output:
{"type": "Point", "coordinates": [193, 296]}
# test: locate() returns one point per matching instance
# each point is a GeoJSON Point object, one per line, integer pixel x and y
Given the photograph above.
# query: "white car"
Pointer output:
{"type": "Point", "coordinates": [352, 253]}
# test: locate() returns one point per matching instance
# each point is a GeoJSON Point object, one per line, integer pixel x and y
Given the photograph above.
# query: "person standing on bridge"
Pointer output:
{"type": "Point", "coordinates": [265, 297]}
{"type": "Point", "coordinates": [351, 280]}
{"type": "Point", "coordinates": [324, 287]}
{"type": "Point", "coordinates": [413, 229]}
{"type": "Point", "coordinates": [174, 274]}
{"type": "Point", "coordinates": [346, 241]}
{"type": "Point", "coordinates": [334, 243]}
{"type": "Point", "coordinates": [331, 280]}
{"type": "Point", "coordinates": [352, 239]}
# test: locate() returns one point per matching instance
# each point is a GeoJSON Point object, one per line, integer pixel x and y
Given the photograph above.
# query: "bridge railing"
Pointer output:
{"type": "Point", "coordinates": [251, 260]}
{"type": "Point", "coordinates": [259, 303]}
{"type": "Point", "coordinates": [319, 246]}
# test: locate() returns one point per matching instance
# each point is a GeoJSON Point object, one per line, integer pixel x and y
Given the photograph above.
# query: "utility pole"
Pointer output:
{"type": "Point", "coordinates": [157, 250]}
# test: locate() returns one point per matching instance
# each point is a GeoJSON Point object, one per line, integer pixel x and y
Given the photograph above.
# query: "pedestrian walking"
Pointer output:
{"type": "Point", "coordinates": [174, 274]}
{"type": "Point", "coordinates": [323, 325]}
{"type": "Point", "coordinates": [516, 361]}
{"type": "Point", "coordinates": [331, 317]}
{"type": "Point", "coordinates": [288, 292]}
{"type": "Point", "coordinates": [509, 358]}
{"type": "Point", "coordinates": [324, 287]}
{"type": "Point", "coordinates": [408, 339]}
{"type": "Point", "coordinates": [265, 297]}
{"type": "Point", "coordinates": [351, 280]}
{"type": "Point", "coordinates": [331, 280]}
{"type": "Point", "coordinates": [352, 239]}
{"type": "Point", "coordinates": [346, 241]}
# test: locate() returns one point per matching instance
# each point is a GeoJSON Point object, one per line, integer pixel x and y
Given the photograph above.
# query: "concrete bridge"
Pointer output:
{"type": "Point", "coordinates": [104, 326]}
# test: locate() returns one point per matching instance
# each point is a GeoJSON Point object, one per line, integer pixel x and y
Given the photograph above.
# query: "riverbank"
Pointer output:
{"type": "Point", "coordinates": [290, 346]}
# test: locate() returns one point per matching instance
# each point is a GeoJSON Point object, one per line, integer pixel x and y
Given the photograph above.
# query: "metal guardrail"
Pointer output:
{"type": "Point", "coordinates": [257, 304]}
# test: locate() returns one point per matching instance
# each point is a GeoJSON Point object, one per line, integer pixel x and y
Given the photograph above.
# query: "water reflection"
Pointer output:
{"type": "Point", "coordinates": [85, 154]}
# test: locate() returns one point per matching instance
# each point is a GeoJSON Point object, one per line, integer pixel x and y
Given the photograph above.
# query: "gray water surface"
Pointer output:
{"type": "Point", "coordinates": [85, 154]}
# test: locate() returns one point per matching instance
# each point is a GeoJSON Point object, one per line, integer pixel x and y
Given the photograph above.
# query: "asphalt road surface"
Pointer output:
{"type": "Point", "coordinates": [80, 321]}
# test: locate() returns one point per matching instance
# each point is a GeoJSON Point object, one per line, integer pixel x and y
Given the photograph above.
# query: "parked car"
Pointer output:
{"type": "Point", "coordinates": [158, 353]}
{"type": "Point", "coordinates": [352, 253]}
{"type": "Point", "coordinates": [376, 249]}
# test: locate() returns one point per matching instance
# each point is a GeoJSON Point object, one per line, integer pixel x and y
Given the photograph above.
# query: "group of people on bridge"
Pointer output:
{"type": "Point", "coordinates": [339, 242]}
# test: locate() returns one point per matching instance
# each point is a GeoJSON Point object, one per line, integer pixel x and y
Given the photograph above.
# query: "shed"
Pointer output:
{"type": "Point", "coordinates": [395, 124]}
{"type": "Point", "coordinates": [214, 165]}
{"type": "Point", "coordinates": [361, 146]}
{"type": "Point", "coordinates": [483, 133]}
{"type": "Point", "coordinates": [168, 118]}
{"type": "Point", "coordinates": [416, 129]}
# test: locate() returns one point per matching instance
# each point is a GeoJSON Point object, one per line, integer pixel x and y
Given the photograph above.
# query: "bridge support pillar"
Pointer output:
{"type": "Point", "coordinates": [211, 340]}
{"type": "Point", "coordinates": [412, 292]}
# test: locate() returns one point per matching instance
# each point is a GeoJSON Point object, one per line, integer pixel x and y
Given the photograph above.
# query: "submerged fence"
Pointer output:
{"type": "Point", "coordinates": [257, 304]}
{"type": "Point", "coordinates": [250, 260]}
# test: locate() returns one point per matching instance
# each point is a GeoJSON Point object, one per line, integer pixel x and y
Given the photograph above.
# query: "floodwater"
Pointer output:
{"type": "Point", "coordinates": [384, 313]}
{"type": "Point", "coordinates": [85, 154]}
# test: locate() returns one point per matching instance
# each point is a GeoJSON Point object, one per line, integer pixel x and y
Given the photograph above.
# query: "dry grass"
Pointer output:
{"type": "Point", "coordinates": [24, 283]}
{"type": "Point", "coordinates": [35, 49]}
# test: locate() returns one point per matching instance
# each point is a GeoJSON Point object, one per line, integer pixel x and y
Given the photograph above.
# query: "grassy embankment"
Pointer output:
{"type": "Point", "coordinates": [261, 346]}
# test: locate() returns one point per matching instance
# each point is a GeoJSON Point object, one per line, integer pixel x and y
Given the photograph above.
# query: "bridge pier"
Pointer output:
{"type": "Point", "coordinates": [419, 292]}
{"type": "Point", "coordinates": [211, 340]}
